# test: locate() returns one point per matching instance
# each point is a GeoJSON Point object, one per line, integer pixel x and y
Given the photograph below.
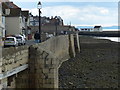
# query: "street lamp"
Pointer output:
{"type": "Point", "coordinates": [39, 6]}
{"type": "Point", "coordinates": [56, 24]}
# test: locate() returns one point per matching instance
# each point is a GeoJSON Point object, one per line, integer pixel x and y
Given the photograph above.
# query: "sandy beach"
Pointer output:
{"type": "Point", "coordinates": [96, 66]}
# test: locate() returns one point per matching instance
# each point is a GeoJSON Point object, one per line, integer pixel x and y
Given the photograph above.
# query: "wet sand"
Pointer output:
{"type": "Point", "coordinates": [96, 66]}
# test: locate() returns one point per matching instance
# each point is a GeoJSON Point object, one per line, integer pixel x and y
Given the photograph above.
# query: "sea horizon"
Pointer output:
{"type": "Point", "coordinates": [110, 30]}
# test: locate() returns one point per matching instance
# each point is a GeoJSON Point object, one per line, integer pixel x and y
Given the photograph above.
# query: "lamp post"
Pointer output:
{"type": "Point", "coordinates": [39, 6]}
{"type": "Point", "coordinates": [56, 28]}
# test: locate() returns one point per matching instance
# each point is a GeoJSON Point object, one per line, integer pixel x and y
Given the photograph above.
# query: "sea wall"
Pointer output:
{"type": "Point", "coordinates": [36, 66]}
{"type": "Point", "coordinates": [46, 58]}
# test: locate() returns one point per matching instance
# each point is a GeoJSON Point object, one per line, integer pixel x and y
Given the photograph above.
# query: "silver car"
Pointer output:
{"type": "Point", "coordinates": [20, 39]}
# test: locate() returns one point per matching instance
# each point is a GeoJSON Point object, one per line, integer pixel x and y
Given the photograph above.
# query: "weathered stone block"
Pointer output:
{"type": "Point", "coordinates": [40, 61]}
{"type": "Point", "coordinates": [52, 70]}
{"type": "Point", "coordinates": [49, 86]}
{"type": "Point", "coordinates": [0, 69]}
{"type": "Point", "coordinates": [0, 63]}
{"type": "Point", "coordinates": [45, 70]}
{"type": "Point", "coordinates": [48, 61]}
{"type": "Point", "coordinates": [51, 75]}
{"type": "Point", "coordinates": [17, 53]}
{"type": "Point", "coordinates": [48, 81]}
{"type": "Point", "coordinates": [18, 58]}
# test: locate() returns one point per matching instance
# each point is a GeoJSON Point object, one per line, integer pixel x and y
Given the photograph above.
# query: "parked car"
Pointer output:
{"type": "Point", "coordinates": [24, 36]}
{"type": "Point", "coordinates": [20, 39]}
{"type": "Point", "coordinates": [10, 41]}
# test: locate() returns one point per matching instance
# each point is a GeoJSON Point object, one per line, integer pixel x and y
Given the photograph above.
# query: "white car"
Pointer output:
{"type": "Point", "coordinates": [23, 36]}
{"type": "Point", "coordinates": [20, 39]}
{"type": "Point", "coordinates": [10, 41]}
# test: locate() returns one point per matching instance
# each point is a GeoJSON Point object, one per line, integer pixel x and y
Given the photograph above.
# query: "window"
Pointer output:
{"type": "Point", "coordinates": [3, 20]}
{"type": "Point", "coordinates": [10, 39]}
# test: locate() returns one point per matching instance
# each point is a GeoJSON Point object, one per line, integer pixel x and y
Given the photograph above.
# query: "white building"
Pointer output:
{"type": "Point", "coordinates": [86, 29]}
{"type": "Point", "coordinates": [97, 28]}
{"type": "Point", "coordinates": [2, 22]}
{"type": "Point", "coordinates": [90, 28]}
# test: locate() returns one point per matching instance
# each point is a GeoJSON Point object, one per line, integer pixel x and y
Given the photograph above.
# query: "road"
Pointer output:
{"type": "Point", "coordinates": [30, 42]}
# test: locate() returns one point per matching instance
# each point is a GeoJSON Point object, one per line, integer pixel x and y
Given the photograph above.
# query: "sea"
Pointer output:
{"type": "Point", "coordinates": [115, 39]}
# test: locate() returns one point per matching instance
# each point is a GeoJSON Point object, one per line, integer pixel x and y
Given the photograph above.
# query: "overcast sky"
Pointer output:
{"type": "Point", "coordinates": [76, 12]}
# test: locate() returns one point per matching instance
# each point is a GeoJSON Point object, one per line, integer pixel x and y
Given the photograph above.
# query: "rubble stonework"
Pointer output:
{"type": "Point", "coordinates": [13, 60]}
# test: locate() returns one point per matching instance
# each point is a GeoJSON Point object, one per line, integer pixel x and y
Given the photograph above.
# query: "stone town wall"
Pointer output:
{"type": "Point", "coordinates": [43, 61]}
{"type": "Point", "coordinates": [46, 58]}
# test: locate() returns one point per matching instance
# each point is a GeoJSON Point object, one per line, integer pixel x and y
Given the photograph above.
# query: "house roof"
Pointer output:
{"type": "Point", "coordinates": [97, 26]}
{"type": "Point", "coordinates": [10, 5]}
{"type": "Point", "coordinates": [4, 0]}
{"type": "Point", "coordinates": [25, 13]}
{"type": "Point", "coordinates": [14, 9]}
{"type": "Point", "coordinates": [14, 12]}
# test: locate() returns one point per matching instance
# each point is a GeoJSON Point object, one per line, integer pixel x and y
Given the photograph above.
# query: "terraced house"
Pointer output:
{"type": "Point", "coordinates": [15, 21]}
{"type": "Point", "coordinates": [0, 19]}
{"type": "Point", "coordinates": [2, 24]}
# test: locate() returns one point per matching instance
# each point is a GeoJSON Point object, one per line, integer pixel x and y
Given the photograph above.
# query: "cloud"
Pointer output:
{"type": "Point", "coordinates": [85, 15]}
{"type": "Point", "coordinates": [98, 15]}
{"type": "Point", "coordinates": [65, 0]}
{"type": "Point", "coordinates": [66, 12]}
{"type": "Point", "coordinates": [104, 11]}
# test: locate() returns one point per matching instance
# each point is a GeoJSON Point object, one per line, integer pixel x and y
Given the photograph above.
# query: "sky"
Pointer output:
{"type": "Point", "coordinates": [76, 12]}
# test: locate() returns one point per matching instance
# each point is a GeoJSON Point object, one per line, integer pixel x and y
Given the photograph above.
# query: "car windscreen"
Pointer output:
{"type": "Point", "coordinates": [18, 37]}
{"type": "Point", "coordinates": [9, 39]}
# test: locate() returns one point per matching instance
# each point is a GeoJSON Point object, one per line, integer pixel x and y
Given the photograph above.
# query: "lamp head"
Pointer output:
{"type": "Point", "coordinates": [39, 6]}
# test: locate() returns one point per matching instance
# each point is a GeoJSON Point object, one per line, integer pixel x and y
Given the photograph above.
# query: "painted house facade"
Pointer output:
{"type": "Point", "coordinates": [86, 28]}
{"type": "Point", "coordinates": [91, 28]}
{"type": "Point", "coordinates": [25, 22]}
{"type": "Point", "coordinates": [1, 26]}
{"type": "Point", "coordinates": [50, 25]}
{"type": "Point", "coordinates": [15, 22]}
{"type": "Point", "coordinates": [2, 22]}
